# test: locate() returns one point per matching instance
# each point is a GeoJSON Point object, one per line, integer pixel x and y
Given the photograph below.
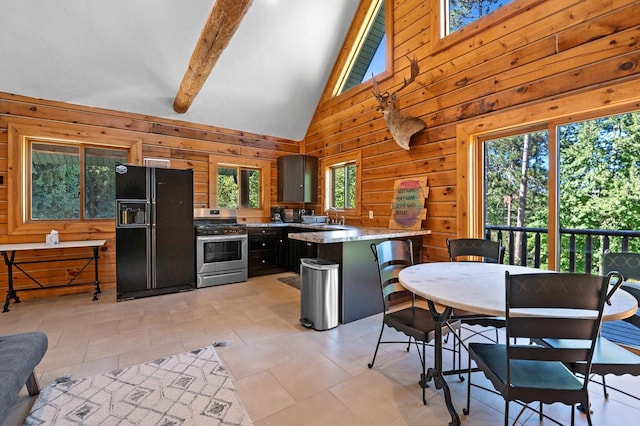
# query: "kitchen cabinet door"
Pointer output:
{"type": "Point", "coordinates": [297, 179]}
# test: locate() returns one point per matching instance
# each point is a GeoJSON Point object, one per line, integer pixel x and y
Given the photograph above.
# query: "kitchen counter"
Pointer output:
{"type": "Point", "coordinates": [349, 247]}
{"type": "Point", "coordinates": [329, 234]}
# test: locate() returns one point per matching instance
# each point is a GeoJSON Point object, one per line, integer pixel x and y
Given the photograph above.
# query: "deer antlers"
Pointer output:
{"type": "Point", "coordinates": [400, 126]}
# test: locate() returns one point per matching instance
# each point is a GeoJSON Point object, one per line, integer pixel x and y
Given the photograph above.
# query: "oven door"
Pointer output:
{"type": "Point", "coordinates": [220, 253]}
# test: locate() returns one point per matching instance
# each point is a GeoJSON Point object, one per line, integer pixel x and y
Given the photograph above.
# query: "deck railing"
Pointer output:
{"type": "Point", "coordinates": [580, 253]}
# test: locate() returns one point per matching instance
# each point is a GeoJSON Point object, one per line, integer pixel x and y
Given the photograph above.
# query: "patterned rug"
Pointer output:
{"type": "Point", "coordinates": [192, 388]}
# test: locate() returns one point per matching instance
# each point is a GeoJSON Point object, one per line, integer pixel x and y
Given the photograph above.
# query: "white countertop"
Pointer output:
{"type": "Point", "coordinates": [327, 235]}
{"type": "Point", "coordinates": [61, 244]}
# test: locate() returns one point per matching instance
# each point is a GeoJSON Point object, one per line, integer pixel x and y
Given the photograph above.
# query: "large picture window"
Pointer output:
{"type": "Point", "coordinates": [72, 181]}
{"type": "Point", "coordinates": [559, 194]}
{"type": "Point", "coordinates": [62, 177]}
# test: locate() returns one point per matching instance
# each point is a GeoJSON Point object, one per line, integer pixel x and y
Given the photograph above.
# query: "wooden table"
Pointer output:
{"type": "Point", "coordinates": [9, 253]}
{"type": "Point", "coordinates": [477, 287]}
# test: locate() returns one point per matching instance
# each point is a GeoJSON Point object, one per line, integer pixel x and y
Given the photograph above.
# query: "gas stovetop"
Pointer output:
{"type": "Point", "coordinates": [220, 228]}
{"type": "Point", "coordinates": [221, 221]}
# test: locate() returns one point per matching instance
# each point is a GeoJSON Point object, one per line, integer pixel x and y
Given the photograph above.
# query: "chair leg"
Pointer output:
{"type": "Point", "coordinates": [465, 411]}
{"type": "Point", "coordinates": [540, 411]}
{"type": "Point", "coordinates": [370, 365]}
{"type": "Point", "coordinates": [423, 378]}
{"type": "Point", "coordinates": [604, 387]}
{"type": "Point", "coordinates": [32, 384]}
{"type": "Point", "coordinates": [409, 344]}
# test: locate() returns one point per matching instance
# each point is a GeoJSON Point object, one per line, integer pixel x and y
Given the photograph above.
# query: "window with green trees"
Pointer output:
{"type": "Point", "coordinates": [238, 187]}
{"type": "Point", "coordinates": [598, 171]}
{"type": "Point", "coordinates": [344, 185]}
{"type": "Point", "coordinates": [72, 181]}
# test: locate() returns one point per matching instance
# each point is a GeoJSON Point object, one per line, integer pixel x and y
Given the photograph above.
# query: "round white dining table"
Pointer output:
{"type": "Point", "coordinates": [480, 287]}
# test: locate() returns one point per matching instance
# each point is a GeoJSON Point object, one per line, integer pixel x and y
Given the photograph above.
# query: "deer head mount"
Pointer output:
{"type": "Point", "coordinates": [400, 126]}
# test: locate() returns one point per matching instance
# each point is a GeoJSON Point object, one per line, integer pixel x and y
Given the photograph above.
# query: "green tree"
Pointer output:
{"type": "Point", "coordinates": [599, 178]}
{"type": "Point", "coordinates": [516, 182]}
{"type": "Point", "coordinates": [56, 191]}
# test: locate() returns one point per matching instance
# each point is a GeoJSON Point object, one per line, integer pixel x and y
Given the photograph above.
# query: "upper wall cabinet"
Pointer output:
{"type": "Point", "coordinates": [297, 179]}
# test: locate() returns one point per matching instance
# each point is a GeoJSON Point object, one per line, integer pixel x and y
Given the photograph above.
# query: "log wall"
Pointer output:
{"type": "Point", "coordinates": [544, 56]}
{"type": "Point", "coordinates": [187, 145]}
{"type": "Point", "coordinates": [530, 55]}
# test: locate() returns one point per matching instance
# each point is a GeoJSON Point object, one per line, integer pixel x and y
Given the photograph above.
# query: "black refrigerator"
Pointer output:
{"type": "Point", "coordinates": [155, 242]}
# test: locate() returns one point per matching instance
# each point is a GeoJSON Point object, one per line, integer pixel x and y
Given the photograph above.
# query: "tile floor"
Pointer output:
{"type": "Point", "coordinates": [285, 374]}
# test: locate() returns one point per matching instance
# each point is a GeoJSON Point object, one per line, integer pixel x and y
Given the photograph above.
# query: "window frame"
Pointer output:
{"type": "Point", "coordinates": [352, 45]}
{"type": "Point", "coordinates": [550, 114]}
{"type": "Point", "coordinates": [441, 41]}
{"type": "Point", "coordinates": [21, 131]}
{"type": "Point", "coordinates": [264, 166]}
{"type": "Point", "coordinates": [327, 164]}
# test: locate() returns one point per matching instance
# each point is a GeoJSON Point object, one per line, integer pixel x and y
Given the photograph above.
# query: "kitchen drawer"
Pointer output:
{"type": "Point", "coordinates": [266, 242]}
{"type": "Point", "coordinates": [263, 263]}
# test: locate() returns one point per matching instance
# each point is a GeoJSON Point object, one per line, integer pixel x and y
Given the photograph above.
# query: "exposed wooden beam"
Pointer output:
{"type": "Point", "coordinates": [222, 23]}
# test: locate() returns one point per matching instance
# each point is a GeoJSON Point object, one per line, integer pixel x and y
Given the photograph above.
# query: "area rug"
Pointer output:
{"type": "Point", "coordinates": [293, 281]}
{"type": "Point", "coordinates": [192, 388]}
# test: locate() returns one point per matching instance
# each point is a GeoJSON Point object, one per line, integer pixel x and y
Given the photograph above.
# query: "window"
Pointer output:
{"type": "Point", "coordinates": [62, 177]}
{"type": "Point", "coordinates": [238, 187]}
{"type": "Point", "coordinates": [342, 183]}
{"type": "Point", "coordinates": [460, 13]}
{"type": "Point", "coordinates": [454, 21]}
{"type": "Point", "coordinates": [59, 190]}
{"type": "Point", "coordinates": [559, 194]}
{"type": "Point", "coordinates": [240, 183]}
{"type": "Point", "coordinates": [516, 176]}
{"type": "Point", "coordinates": [369, 55]}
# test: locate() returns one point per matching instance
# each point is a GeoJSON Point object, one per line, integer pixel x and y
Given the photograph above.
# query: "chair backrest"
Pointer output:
{"type": "Point", "coordinates": [392, 256]}
{"type": "Point", "coordinates": [581, 294]}
{"type": "Point", "coordinates": [489, 251]}
{"type": "Point", "coordinates": [628, 265]}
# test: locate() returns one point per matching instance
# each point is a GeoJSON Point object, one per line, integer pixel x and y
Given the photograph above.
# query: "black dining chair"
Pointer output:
{"type": "Point", "coordinates": [528, 373]}
{"type": "Point", "coordinates": [475, 249]}
{"type": "Point", "coordinates": [413, 321]}
{"type": "Point", "coordinates": [615, 346]}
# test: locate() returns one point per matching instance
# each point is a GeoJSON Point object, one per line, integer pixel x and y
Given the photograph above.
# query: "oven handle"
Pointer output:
{"type": "Point", "coordinates": [227, 237]}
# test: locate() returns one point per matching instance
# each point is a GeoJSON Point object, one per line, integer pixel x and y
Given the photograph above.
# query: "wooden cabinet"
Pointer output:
{"type": "Point", "coordinates": [267, 251]}
{"type": "Point", "coordinates": [297, 179]}
{"type": "Point", "coordinates": [298, 250]}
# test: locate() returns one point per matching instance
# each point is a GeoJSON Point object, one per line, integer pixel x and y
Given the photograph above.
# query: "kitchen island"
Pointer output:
{"type": "Point", "coordinates": [349, 247]}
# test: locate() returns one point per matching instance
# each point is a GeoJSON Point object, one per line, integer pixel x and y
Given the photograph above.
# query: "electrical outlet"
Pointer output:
{"type": "Point", "coordinates": [370, 214]}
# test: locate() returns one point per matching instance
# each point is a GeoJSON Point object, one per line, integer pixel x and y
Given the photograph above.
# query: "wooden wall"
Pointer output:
{"type": "Point", "coordinates": [187, 145]}
{"type": "Point", "coordinates": [525, 57]}
{"type": "Point", "coordinates": [530, 53]}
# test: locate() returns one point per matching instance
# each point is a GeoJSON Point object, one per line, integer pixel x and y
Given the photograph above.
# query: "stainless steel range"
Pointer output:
{"type": "Point", "coordinates": [222, 247]}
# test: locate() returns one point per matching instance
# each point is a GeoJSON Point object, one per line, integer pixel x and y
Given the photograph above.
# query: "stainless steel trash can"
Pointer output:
{"type": "Point", "coordinates": [318, 294]}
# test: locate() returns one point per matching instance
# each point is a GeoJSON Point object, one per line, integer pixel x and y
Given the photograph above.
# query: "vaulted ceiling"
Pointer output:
{"type": "Point", "coordinates": [132, 55]}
